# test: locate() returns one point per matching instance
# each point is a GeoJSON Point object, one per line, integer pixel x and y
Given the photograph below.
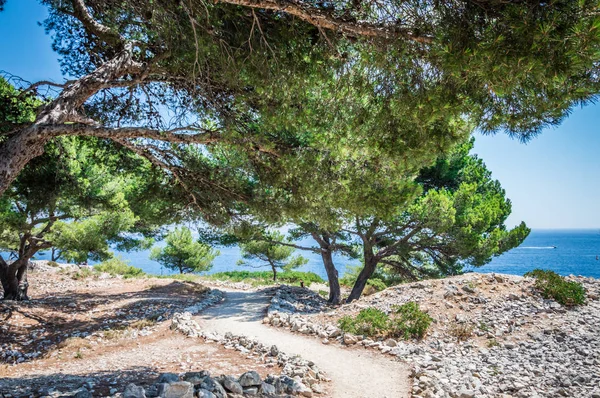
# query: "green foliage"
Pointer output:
{"type": "Point", "coordinates": [270, 251]}
{"type": "Point", "coordinates": [553, 286]}
{"type": "Point", "coordinates": [117, 266]}
{"type": "Point", "coordinates": [182, 253]}
{"type": "Point", "coordinates": [369, 322]}
{"type": "Point", "coordinates": [266, 277]}
{"type": "Point", "coordinates": [382, 278]}
{"type": "Point", "coordinates": [406, 321]}
{"type": "Point", "coordinates": [461, 331]}
{"type": "Point", "coordinates": [83, 273]}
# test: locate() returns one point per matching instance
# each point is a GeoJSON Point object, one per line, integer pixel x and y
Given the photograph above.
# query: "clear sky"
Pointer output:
{"type": "Point", "coordinates": [553, 181]}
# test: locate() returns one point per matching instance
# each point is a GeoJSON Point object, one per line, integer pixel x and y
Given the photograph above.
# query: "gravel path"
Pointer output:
{"type": "Point", "coordinates": [355, 373]}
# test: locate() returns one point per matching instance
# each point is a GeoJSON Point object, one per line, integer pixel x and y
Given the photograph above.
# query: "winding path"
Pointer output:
{"type": "Point", "coordinates": [355, 373]}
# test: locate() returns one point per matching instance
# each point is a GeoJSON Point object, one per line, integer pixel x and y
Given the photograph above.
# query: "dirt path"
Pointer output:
{"type": "Point", "coordinates": [355, 373]}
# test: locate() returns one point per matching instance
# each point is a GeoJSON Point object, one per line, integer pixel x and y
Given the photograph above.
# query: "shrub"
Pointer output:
{"type": "Point", "coordinates": [406, 321]}
{"type": "Point", "coordinates": [117, 266]}
{"type": "Point", "coordinates": [552, 285]}
{"type": "Point", "coordinates": [266, 277]}
{"type": "Point", "coordinates": [461, 331]}
{"type": "Point", "coordinates": [369, 322]}
{"type": "Point", "coordinates": [84, 272]}
{"type": "Point", "coordinates": [409, 321]}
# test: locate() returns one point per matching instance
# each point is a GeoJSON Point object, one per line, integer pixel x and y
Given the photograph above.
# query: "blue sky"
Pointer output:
{"type": "Point", "coordinates": [553, 181]}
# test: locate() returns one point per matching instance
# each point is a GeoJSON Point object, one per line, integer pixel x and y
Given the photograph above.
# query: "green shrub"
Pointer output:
{"type": "Point", "coordinates": [382, 278]}
{"type": "Point", "coordinates": [406, 321]}
{"type": "Point", "coordinates": [53, 264]}
{"type": "Point", "coordinates": [369, 322]}
{"type": "Point", "coordinates": [117, 266]}
{"type": "Point", "coordinates": [552, 285]}
{"type": "Point", "coordinates": [82, 273]}
{"type": "Point", "coordinates": [266, 277]}
{"type": "Point", "coordinates": [409, 321]}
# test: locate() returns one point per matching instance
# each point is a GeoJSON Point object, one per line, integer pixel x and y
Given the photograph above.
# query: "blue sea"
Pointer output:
{"type": "Point", "coordinates": [563, 251]}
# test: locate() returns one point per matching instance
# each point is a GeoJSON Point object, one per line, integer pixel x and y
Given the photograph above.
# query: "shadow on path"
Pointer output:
{"type": "Point", "coordinates": [355, 372]}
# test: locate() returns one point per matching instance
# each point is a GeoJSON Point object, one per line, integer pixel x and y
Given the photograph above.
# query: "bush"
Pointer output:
{"type": "Point", "coordinates": [369, 322]}
{"type": "Point", "coordinates": [117, 266]}
{"type": "Point", "coordinates": [406, 321]}
{"type": "Point", "coordinates": [409, 321]}
{"type": "Point", "coordinates": [461, 331]}
{"type": "Point", "coordinates": [381, 279]}
{"type": "Point", "coordinates": [552, 285]}
{"type": "Point", "coordinates": [83, 273]}
{"type": "Point", "coordinates": [266, 277]}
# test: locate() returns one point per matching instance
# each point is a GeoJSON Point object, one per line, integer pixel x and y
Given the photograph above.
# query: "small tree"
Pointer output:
{"type": "Point", "coordinates": [271, 252]}
{"type": "Point", "coordinates": [183, 253]}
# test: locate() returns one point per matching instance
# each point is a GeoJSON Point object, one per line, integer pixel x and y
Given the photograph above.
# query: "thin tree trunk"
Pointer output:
{"type": "Point", "coordinates": [368, 270]}
{"type": "Point", "coordinates": [274, 271]}
{"type": "Point", "coordinates": [14, 279]}
{"type": "Point", "coordinates": [335, 294]}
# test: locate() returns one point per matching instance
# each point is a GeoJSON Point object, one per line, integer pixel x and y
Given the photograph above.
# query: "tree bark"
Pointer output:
{"type": "Point", "coordinates": [274, 271]}
{"type": "Point", "coordinates": [368, 270]}
{"type": "Point", "coordinates": [28, 143]}
{"type": "Point", "coordinates": [335, 294]}
{"type": "Point", "coordinates": [325, 242]}
{"type": "Point", "coordinates": [14, 279]}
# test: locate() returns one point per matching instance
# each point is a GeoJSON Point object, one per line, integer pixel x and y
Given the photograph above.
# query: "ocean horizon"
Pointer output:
{"type": "Point", "coordinates": [564, 251]}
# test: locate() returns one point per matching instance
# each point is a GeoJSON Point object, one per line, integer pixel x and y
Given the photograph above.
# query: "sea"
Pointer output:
{"type": "Point", "coordinates": [566, 252]}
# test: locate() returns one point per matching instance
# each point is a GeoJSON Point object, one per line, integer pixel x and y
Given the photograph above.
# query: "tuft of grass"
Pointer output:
{"type": "Point", "coordinates": [83, 273]}
{"type": "Point", "coordinates": [461, 331]}
{"type": "Point", "coordinates": [323, 293]}
{"type": "Point", "coordinates": [142, 323]}
{"type": "Point", "coordinates": [493, 343]}
{"type": "Point", "coordinates": [258, 278]}
{"type": "Point", "coordinates": [78, 355]}
{"type": "Point", "coordinates": [53, 264]}
{"type": "Point", "coordinates": [406, 321]}
{"type": "Point", "coordinates": [551, 285]}
{"type": "Point", "coordinates": [179, 277]}
{"type": "Point", "coordinates": [117, 266]}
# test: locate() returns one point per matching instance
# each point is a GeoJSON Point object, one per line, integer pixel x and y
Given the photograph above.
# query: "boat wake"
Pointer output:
{"type": "Point", "coordinates": [537, 247]}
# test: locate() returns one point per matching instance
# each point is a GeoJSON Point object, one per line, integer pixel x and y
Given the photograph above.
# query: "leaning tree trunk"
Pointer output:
{"type": "Point", "coordinates": [14, 279]}
{"type": "Point", "coordinates": [274, 273]}
{"type": "Point", "coordinates": [367, 272]}
{"type": "Point", "coordinates": [335, 294]}
{"type": "Point", "coordinates": [28, 143]}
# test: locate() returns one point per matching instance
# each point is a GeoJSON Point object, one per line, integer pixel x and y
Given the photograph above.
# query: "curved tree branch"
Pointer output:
{"type": "Point", "coordinates": [326, 20]}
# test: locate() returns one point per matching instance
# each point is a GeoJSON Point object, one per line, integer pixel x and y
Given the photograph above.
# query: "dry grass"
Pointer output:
{"type": "Point", "coordinates": [461, 331]}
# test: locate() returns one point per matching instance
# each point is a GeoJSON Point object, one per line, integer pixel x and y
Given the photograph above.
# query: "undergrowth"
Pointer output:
{"type": "Point", "coordinates": [117, 266]}
{"type": "Point", "coordinates": [405, 321]}
{"type": "Point", "coordinates": [266, 277]}
{"type": "Point", "coordinates": [551, 285]}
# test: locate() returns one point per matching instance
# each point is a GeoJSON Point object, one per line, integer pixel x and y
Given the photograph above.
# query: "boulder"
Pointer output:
{"type": "Point", "coordinates": [231, 384]}
{"type": "Point", "coordinates": [133, 391]}
{"type": "Point", "coordinates": [167, 378]}
{"type": "Point", "coordinates": [177, 389]}
{"type": "Point", "coordinates": [250, 379]}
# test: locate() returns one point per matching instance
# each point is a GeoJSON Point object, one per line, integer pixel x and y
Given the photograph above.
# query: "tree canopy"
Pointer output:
{"type": "Point", "coordinates": [295, 83]}
{"type": "Point", "coordinates": [271, 252]}
{"type": "Point", "coordinates": [184, 254]}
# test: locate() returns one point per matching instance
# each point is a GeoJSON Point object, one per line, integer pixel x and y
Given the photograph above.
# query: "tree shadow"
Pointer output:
{"type": "Point", "coordinates": [245, 306]}
{"type": "Point", "coordinates": [40, 326]}
{"type": "Point", "coordinates": [99, 384]}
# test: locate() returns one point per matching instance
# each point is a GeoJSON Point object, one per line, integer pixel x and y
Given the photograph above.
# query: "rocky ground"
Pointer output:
{"type": "Point", "coordinates": [88, 337]}
{"type": "Point", "coordinates": [492, 336]}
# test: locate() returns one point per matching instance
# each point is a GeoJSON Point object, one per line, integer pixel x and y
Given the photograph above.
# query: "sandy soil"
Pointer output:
{"type": "Point", "coordinates": [105, 332]}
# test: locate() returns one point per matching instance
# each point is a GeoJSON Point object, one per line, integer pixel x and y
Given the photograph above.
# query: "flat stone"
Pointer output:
{"type": "Point", "coordinates": [178, 389]}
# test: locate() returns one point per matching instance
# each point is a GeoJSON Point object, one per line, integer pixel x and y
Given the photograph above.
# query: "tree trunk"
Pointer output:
{"type": "Point", "coordinates": [274, 271]}
{"type": "Point", "coordinates": [14, 279]}
{"type": "Point", "coordinates": [335, 294]}
{"type": "Point", "coordinates": [367, 272]}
